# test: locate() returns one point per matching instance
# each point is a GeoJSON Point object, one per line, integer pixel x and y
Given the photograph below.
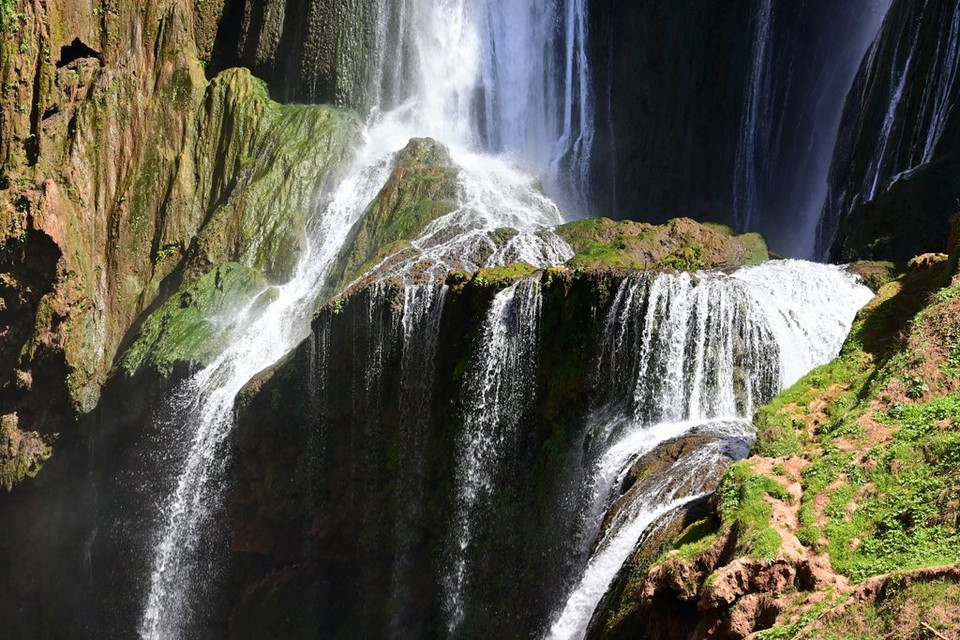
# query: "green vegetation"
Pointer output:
{"type": "Point", "coordinates": [187, 326]}
{"type": "Point", "coordinates": [880, 500]}
{"type": "Point", "coordinates": [918, 610]}
{"type": "Point", "coordinates": [899, 509]}
{"type": "Point", "coordinates": [680, 244]}
{"type": "Point", "coordinates": [500, 277]}
{"type": "Point", "coordinates": [741, 503]}
{"type": "Point", "coordinates": [875, 435]}
{"type": "Point", "coordinates": [424, 186]}
{"type": "Point", "coordinates": [22, 454]}
{"type": "Point", "coordinates": [696, 539]}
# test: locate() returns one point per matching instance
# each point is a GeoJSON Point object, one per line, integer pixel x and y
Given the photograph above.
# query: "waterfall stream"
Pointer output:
{"type": "Point", "coordinates": [804, 57]}
{"type": "Point", "coordinates": [499, 387]}
{"type": "Point", "coordinates": [428, 78]}
{"type": "Point", "coordinates": [503, 87]}
{"type": "Point", "coordinates": [688, 353]}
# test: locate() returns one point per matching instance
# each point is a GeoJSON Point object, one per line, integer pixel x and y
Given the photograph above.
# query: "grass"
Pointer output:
{"type": "Point", "coordinates": [741, 503]}
{"type": "Point", "coordinates": [906, 612]}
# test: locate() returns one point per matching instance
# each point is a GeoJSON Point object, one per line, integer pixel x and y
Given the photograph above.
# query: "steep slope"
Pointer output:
{"type": "Point", "coordinates": [126, 175]}
{"type": "Point", "coordinates": [831, 528]}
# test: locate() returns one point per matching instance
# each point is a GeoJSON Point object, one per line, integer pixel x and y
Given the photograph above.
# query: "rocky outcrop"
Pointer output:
{"type": "Point", "coordinates": [893, 184]}
{"type": "Point", "coordinates": [357, 418]}
{"type": "Point", "coordinates": [423, 186]}
{"type": "Point", "coordinates": [125, 176]}
{"type": "Point", "coordinates": [681, 244]}
{"type": "Point", "coordinates": [318, 51]}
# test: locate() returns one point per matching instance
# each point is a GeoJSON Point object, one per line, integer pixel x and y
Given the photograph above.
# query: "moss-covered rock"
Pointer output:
{"type": "Point", "coordinates": [188, 327]}
{"type": "Point", "coordinates": [423, 186]}
{"type": "Point", "coordinates": [875, 274]}
{"type": "Point", "coordinates": [681, 244]}
{"type": "Point", "coordinates": [145, 176]}
{"type": "Point", "coordinates": [22, 453]}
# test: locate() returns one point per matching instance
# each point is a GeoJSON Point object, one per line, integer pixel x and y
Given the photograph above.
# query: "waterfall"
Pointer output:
{"type": "Point", "coordinates": [498, 76]}
{"type": "Point", "coordinates": [695, 352]}
{"type": "Point", "coordinates": [431, 58]}
{"type": "Point", "coordinates": [422, 312]}
{"type": "Point", "coordinates": [499, 387]}
{"type": "Point", "coordinates": [899, 109]}
{"type": "Point", "coordinates": [804, 59]}
{"type": "Point", "coordinates": [258, 337]}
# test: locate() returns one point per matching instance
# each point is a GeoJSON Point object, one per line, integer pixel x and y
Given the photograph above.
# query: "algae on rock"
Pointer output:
{"type": "Point", "coordinates": [681, 244]}
{"type": "Point", "coordinates": [186, 328]}
{"type": "Point", "coordinates": [423, 187]}
{"type": "Point", "coordinates": [143, 175]}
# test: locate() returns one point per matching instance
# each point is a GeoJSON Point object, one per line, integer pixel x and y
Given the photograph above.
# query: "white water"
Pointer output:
{"type": "Point", "coordinates": [257, 339]}
{"type": "Point", "coordinates": [438, 60]}
{"type": "Point", "coordinates": [685, 352]}
{"type": "Point", "coordinates": [523, 66]}
{"type": "Point", "coordinates": [422, 312]}
{"type": "Point", "coordinates": [499, 387]}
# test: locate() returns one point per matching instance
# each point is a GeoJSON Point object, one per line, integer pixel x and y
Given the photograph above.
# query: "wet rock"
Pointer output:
{"type": "Point", "coordinates": [422, 187]}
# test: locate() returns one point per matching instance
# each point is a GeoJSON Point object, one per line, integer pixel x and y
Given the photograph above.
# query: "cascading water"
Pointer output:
{"type": "Point", "coordinates": [499, 387]}
{"type": "Point", "coordinates": [685, 352]}
{"type": "Point", "coordinates": [448, 69]}
{"type": "Point", "coordinates": [422, 312]}
{"type": "Point", "coordinates": [805, 56]}
{"type": "Point", "coordinates": [511, 78]}
{"type": "Point", "coordinates": [899, 110]}
{"type": "Point", "coordinates": [258, 337]}
{"type": "Point", "coordinates": [439, 56]}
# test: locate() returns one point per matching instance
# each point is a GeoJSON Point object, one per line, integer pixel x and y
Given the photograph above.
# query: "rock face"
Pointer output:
{"type": "Point", "coordinates": [318, 51]}
{"type": "Point", "coordinates": [362, 418]}
{"type": "Point", "coordinates": [370, 414]}
{"type": "Point", "coordinates": [125, 176]}
{"type": "Point", "coordinates": [129, 184]}
{"type": "Point", "coordinates": [893, 184]}
{"type": "Point", "coordinates": [422, 187]}
{"type": "Point", "coordinates": [673, 115]}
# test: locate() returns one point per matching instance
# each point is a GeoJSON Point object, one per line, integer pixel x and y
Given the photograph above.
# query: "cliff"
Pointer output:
{"type": "Point", "coordinates": [372, 413]}
{"type": "Point", "coordinates": [893, 183]}
{"type": "Point", "coordinates": [127, 175]}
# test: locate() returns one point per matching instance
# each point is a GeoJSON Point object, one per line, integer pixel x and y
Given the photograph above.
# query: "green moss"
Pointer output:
{"type": "Point", "coordinates": [696, 539]}
{"type": "Point", "coordinates": [918, 610]}
{"type": "Point", "coordinates": [424, 186]}
{"type": "Point", "coordinates": [875, 274]}
{"type": "Point", "coordinates": [681, 244]}
{"type": "Point", "coordinates": [497, 278]}
{"type": "Point", "coordinates": [741, 503]}
{"type": "Point", "coordinates": [900, 513]}
{"type": "Point", "coordinates": [893, 506]}
{"type": "Point", "coordinates": [187, 327]}
{"type": "Point", "coordinates": [756, 248]}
